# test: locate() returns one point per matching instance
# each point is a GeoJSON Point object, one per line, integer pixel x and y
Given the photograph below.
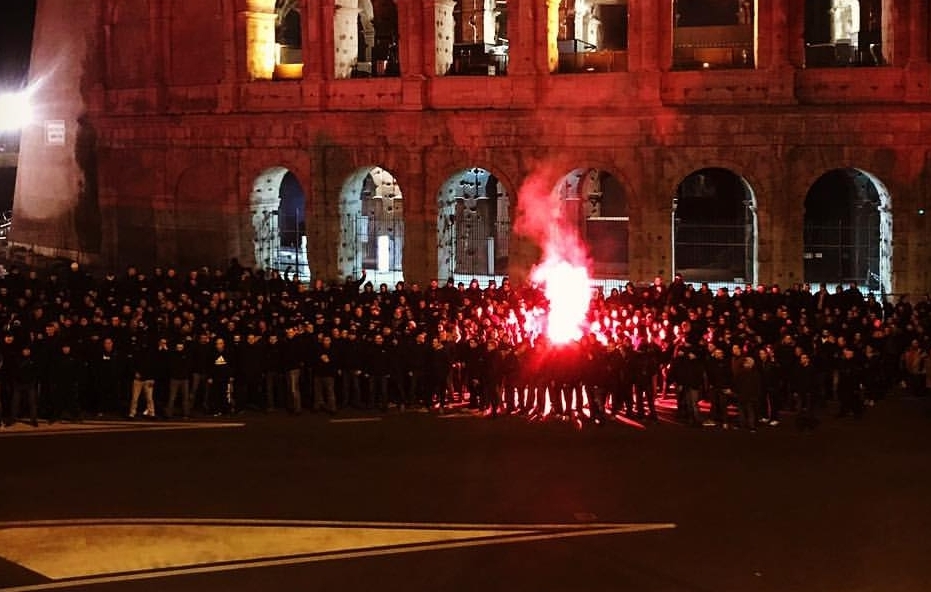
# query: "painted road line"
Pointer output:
{"type": "Point", "coordinates": [355, 420]}
{"type": "Point", "coordinates": [84, 552]}
{"type": "Point", "coordinates": [106, 427]}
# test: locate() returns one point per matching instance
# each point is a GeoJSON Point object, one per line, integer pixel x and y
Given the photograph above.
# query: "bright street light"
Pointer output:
{"type": "Point", "coordinates": [15, 111]}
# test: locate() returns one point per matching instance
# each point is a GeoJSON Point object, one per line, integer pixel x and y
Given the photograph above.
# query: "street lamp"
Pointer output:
{"type": "Point", "coordinates": [15, 111]}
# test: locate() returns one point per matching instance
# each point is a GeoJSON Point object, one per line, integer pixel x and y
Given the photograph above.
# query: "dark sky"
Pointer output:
{"type": "Point", "coordinates": [16, 21]}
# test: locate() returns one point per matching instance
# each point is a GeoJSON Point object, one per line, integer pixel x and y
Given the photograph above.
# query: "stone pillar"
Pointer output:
{"type": "Point", "coordinates": [795, 36]}
{"type": "Point", "coordinates": [259, 21]}
{"type": "Point", "coordinates": [664, 35]}
{"type": "Point", "coordinates": [552, 35]}
{"type": "Point", "coordinates": [345, 37]}
{"type": "Point", "coordinates": [445, 31]}
{"type": "Point", "coordinates": [56, 203]}
{"type": "Point", "coordinates": [917, 69]}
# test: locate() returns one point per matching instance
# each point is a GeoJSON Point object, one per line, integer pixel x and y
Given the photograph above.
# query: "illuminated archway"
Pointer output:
{"type": "Point", "coordinates": [848, 230]}
{"type": "Point", "coordinates": [277, 206]}
{"type": "Point", "coordinates": [714, 228]}
{"type": "Point", "coordinates": [371, 225]}
{"type": "Point", "coordinates": [594, 201]}
{"type": "Point", "coordinates": [473, 226]}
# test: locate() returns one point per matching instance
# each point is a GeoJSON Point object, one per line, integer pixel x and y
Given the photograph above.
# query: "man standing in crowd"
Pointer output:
{"type": "Point", "coordinates": [180, 367]}
{"type": "Point", "coordinates": [143, 368]}
{"type": "Point", "coordinates": [25, 381]}
{"type": "Point", "coordinates": [220, 379]}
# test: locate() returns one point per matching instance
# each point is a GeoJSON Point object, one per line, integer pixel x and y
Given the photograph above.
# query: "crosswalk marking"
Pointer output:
{"type": "Point", "coordinates": [83, 552]}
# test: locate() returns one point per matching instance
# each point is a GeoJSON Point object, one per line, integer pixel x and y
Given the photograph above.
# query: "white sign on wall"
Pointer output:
{"type": "Point", "coordinates": [55, 132]}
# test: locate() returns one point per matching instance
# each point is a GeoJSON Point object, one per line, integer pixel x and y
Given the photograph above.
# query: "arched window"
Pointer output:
{"type": "Point", "coordinates": [289, 57]}
{"type": "Point", "coordinates": [709, 34]}
{"type": "Point", "coordinates": [714, 228]}
{"type": "Point", "coordinates": [366, 34]}
{"type": "Point", "coordinates": [848, 230]}
{"type": "Point", "coordinates": [277, 207]}
{"type": "Point", "coordinates": [591, 35]}
{"type": "Point", "coordinates": [372, 225]}
{"type": "Point", "coordinates": [846, 32]}
{"type": "Point", "coordinates": [473, 226]}
{"type": "Point", "coordinates": [480, 38]}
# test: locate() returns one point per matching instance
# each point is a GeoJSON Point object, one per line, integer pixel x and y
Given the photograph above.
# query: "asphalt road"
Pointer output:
{"type": "Point", "coordinates": [520, 506]}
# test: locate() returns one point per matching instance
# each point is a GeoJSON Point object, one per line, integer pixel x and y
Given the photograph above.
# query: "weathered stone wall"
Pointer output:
{"type": "Point", "coordinates": [179, 151]}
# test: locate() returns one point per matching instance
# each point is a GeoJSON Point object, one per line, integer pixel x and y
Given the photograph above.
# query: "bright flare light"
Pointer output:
{"type": "Point", "coordinates": [15, 111]}
{"type": "Point", "coordinates": [567, 289]}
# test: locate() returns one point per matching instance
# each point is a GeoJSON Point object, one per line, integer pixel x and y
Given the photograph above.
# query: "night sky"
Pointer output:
{"type": "Point", "coordinates": [16, 21]}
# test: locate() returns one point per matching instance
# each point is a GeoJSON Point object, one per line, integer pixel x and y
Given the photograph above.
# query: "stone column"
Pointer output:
{"type": "Point", "coordinates": [345, 37]}
{"type": "Point", "coordinates": [917, 69]}
{"type": "Point", "coordinates": [795, 32]}
{"type": "Point", "coordinates": [259, 20]}
{"type": "Point", "coordinates": [552, 35]}
{"type": "Point", "coordinates": [445, 30]}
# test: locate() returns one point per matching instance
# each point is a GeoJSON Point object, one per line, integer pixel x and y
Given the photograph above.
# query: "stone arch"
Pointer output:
{"type": "Point", "coordinates": [473, 224]}
{"type": "Point", "coordinates": [371, 216]}
{"type": "Point", "coordinates": [595, 201]}
{"type": "Point", "coordinates": [849, 239]}
{"type": "Point", "coordinates": [714, 227]}
{"type": "Point", "coordinates": [277, 210]}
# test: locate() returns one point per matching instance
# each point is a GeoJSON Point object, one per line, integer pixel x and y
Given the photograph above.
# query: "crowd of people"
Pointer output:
{"type": "Point", "coordinates": [210, 342]}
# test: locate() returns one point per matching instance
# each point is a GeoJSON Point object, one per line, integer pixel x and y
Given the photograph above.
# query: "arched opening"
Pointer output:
{"type": "Point", "coordinates": [372, 226]}
{"type": "Point", "coordinates": [842, 33]}
{"type": "Point", "coordinates": [848, 230]}
{"type": "Point", "coordinates": [709, 34]}
{"type": "Point", "coordinates": [474, 225]}
{"type": "Point", "coordinates": [289, 57]}
{"type": "Point", "coordinates": [590, 35]}
{"type": "Point", "coordinates": [277, 206]}
{"type": "Point", "coordinates": [366, 34]}
{"type": "Point", "coordinates": [714, 228]}
{"type": "Point", "coordinates": [594, 201]}
{"type": "Point", "coordinates": [480, 38]}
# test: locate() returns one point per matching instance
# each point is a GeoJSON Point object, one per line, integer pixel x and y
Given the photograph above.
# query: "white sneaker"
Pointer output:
{"type": "Point", "coordinates": [774, 423]}
{"type": "Point", "coordinates": [708, 423]}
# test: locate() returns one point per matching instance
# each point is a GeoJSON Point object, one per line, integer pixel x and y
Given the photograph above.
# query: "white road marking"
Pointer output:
{"type": "Point", "coordinates": [419, 537]}
{"type": "Point", "coordinates": [355, 420]}
{"type": "Point", "coordinates": [107, 427]}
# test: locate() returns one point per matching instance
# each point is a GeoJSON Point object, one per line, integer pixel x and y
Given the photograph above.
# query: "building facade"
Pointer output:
{"type": "Point", "coordinates": [742, 141]}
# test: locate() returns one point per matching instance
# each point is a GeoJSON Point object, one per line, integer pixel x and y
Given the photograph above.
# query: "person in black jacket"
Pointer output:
{"type": "Point", "coordinates": [688, 372]}
{"type": "Point", "coordinates": [274, 373]}
{"type": "Point", "coordinates": [67, 373]}
{"type": "Point", "coordinates": [720, 386]}
{"type": "Point", "coordinates": [25, 381]}
{"type": "Point", "coordinates": [439, 366]}
{"type": "Point", "coordinates": [221, 376]}
{"type": "Point", "coordinates": [108, 378]}
{"type": "Point", "coordinates": [180, 368]}
{"type": "Point", "coordinates": [803, 383]}
{"type": "Point", "coordinates": [251, 368]}
{"type": "Point", "coordinates": [849, 383]}
{"type": "Point", "coordinates": [380, 361]}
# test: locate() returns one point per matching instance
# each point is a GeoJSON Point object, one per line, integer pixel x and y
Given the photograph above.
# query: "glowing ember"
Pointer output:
{"type": "Point", "coordinates": [567, 289]}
